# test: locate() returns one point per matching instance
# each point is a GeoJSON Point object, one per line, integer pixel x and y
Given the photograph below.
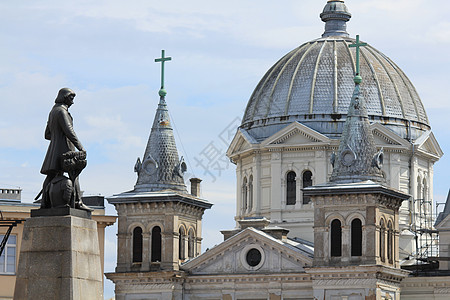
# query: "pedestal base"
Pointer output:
{"type": "Point", "coordinates": [59, 259]}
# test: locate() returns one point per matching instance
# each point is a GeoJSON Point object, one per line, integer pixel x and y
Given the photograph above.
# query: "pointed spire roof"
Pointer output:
{"type": "Point", "coordinates": [357, 158]}
{"type": "Point", "coordinates": [161, 168]}
{"type": "Point", "coordinates": [335, 15]}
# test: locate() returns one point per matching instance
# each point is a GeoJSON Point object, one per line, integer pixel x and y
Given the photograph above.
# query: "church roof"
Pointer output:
{"type": "Point", "coordinates": [161, 168]}
{"type": "Point", "coordinates": [313, 84]}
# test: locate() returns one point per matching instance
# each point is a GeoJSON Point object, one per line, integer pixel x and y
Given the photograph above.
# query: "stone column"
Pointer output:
{"type": "Point", "coordinates": [275, 201]}
{"type": "Point", "coordinates": [146, 251]}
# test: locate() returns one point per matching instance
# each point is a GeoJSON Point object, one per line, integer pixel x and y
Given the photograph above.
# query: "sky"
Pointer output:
{"type": "Point", "coordinates": [105, 49]}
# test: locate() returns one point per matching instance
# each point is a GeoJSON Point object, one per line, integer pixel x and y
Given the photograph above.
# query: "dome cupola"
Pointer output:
{"type": "Point", "coordinates": [335, 15]}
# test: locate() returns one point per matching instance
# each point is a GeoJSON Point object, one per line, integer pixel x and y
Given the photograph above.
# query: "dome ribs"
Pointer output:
{"type": "Point", "coordinates": [418, 114]}
{"type": "Point", "coordinates": [313, 81]}
{"type": "Point", "coordinates": [352, 59]}
{"type": "Point", "coordinates": [369, 88]}
{"type": "Point", "coordinates": [323, 95]}
{"type": "Point", "coordinates": [394, 83]}
{"type": "Point", "coordinates": [390, 105]}
{"type": "Point", "coordinates": [277, 101]}
{"type": "Point", "coordinates": [345, 77]}
{"type": "Point", "coordinates": [256, 97]}
{"type": "Point", "coordinates": [422, 114]}
{"type": "Point", "coordinates": [377, 81]}
{"type": "Point", "coordinates": [294, 76]}
{"type": "Point", "coordinates": [313, 84]}
{"type": "Point", "coordinates": [252, 103]}
{"type": "Point", "coordinates": [335, 81]}
{"type": "Point", "coordinates": [301, 82]}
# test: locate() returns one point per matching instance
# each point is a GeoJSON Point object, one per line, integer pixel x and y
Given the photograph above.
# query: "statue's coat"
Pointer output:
{"type": "Point", "coordinates": [62, 138]}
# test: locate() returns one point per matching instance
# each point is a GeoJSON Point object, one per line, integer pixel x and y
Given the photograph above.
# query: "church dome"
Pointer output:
{"type": "Point", "coordinates": [313, 84]}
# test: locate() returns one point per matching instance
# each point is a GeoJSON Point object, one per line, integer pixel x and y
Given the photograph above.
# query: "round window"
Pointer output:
{"type": "Point", "coordinates": [253, 257]}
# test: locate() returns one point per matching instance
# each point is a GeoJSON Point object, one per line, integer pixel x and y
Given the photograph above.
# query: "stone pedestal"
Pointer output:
{"type": "Point", "coordinates": [59, 259]}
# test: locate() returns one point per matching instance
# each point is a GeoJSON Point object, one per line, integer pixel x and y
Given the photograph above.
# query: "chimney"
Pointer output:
{"type": "Point", "coordinates": [195, 186]}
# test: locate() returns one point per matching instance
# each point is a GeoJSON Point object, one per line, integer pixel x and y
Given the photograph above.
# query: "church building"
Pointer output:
{"type": "Point", "coordinates": [334, 175]}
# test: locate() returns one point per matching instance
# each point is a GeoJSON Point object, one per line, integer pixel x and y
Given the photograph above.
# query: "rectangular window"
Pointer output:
{"type": "Point", "coordinates": [8, 258]}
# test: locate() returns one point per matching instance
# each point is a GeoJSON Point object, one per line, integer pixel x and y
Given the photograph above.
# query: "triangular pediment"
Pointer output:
{"type": "Point", "coordinates": [295, 134]}
{"type": "Point", "coordinates": [428, 144]}
{"type": "Point", "coordinates": [240, 253]}
{"type": "Point", "coordinates": [384, 137]}
{"type": "Point", "coordinates": [241, 143]}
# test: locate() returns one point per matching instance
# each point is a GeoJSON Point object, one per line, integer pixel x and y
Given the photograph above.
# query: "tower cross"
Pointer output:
{"type": "Point", "coordinates": [357, 45]}
{"type": "Point", "coordinates": [163, 59]}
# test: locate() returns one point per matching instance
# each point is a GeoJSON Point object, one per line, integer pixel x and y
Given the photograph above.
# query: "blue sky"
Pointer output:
{"type": "Point", "coordinates": [105, 51]}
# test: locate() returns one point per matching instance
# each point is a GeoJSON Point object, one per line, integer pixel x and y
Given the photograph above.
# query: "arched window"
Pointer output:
{"type": "Point", "coordinates": [181, 244]}
{"type": "Point", "coordinates": [191, 244]}
{"type": "Point", "coordinates": [137, 245]}
{"type": "Point", "coordinates": [156, 244]}
{"type": "Point", "coordinates": [390, 243]}
{"type": "Point", "coordinates": [244, 195]}
{"type": "Point", "coordinates": [306, 181]}
{"type": "Point", "coordinates": [250, 193]}
{"type": "Point", "coordinates": [290, 188]}
{"type": "Point", "coordinates": [382, 241]}
{"type": "Point", "coordinates": [356, 233]}
{"type": "Point", "coordinates": [336, 238]}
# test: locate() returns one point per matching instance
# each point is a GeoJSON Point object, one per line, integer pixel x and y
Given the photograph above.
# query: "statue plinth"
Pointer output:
{"type": "Point", "coordinates": [60, 211]}
{"type": "Point", "coordinates": [59, 258]}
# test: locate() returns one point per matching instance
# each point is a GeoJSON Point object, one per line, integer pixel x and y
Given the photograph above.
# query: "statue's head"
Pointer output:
{"type": "Point", "coordinates": [65, 95]}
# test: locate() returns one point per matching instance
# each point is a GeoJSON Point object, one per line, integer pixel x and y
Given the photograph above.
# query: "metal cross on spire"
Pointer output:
{"type": "Point", "coordinates": [357, 45]}
{"type": "Point", "coordinates": [163, 59]}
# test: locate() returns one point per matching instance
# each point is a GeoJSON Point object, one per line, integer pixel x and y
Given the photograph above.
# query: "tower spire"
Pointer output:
{"type": "Point", "coordinates": [335, 15]}
{"type": "Point", "coordinates": [161, 167]}
{"type": "Point", "coordinates": [357, 158]}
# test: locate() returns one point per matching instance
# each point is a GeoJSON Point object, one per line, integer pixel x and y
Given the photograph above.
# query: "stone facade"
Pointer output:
{"type": "Point", "coordinates": [408, 167]}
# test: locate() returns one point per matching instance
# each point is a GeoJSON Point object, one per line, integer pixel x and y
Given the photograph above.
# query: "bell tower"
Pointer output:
{"type": "Point", "coordinates": [159, 222]}
{"type": "Point", "coordinates": [356, 216]}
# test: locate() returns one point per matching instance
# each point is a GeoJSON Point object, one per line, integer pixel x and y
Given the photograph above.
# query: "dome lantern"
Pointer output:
{"type": "Point", "coordinates": [335, 15]}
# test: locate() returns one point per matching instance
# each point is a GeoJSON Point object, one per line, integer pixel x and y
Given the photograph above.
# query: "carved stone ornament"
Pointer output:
{"type": "Point", "coordinates": [378, 159]}
{"type": "Point", "coordinates": [333, 159]}
{"type": "Point", "coordinates": [348, 157]}
{"type": "Point", "coordinates": [150, 165]}
{"type": "Point", "coordinates": [181, 168]}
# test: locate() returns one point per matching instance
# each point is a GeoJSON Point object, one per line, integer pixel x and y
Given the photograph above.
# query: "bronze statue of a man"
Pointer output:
{"type": "Point", "coordinates": [63, 143]}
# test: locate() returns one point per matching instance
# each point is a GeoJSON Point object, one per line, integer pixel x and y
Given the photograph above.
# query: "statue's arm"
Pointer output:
{"type": "Point", "coordinates": [66, 125]}
{"type": "Point", "coordinates": [47, 135]}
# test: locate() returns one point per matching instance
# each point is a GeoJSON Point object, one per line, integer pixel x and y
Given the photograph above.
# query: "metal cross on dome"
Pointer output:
{"type": "Point", "coordinates": [357, 45]}
{"type": "Point", "coordinates": [162, 60]}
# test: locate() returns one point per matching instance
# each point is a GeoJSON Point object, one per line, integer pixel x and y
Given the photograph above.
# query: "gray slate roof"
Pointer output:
{"type": "Point", "coordinates": [161, 167]}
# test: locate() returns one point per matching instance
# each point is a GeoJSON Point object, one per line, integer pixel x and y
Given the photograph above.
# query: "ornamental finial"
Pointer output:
{"type": "Point", "coordinates": [162, 92]}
